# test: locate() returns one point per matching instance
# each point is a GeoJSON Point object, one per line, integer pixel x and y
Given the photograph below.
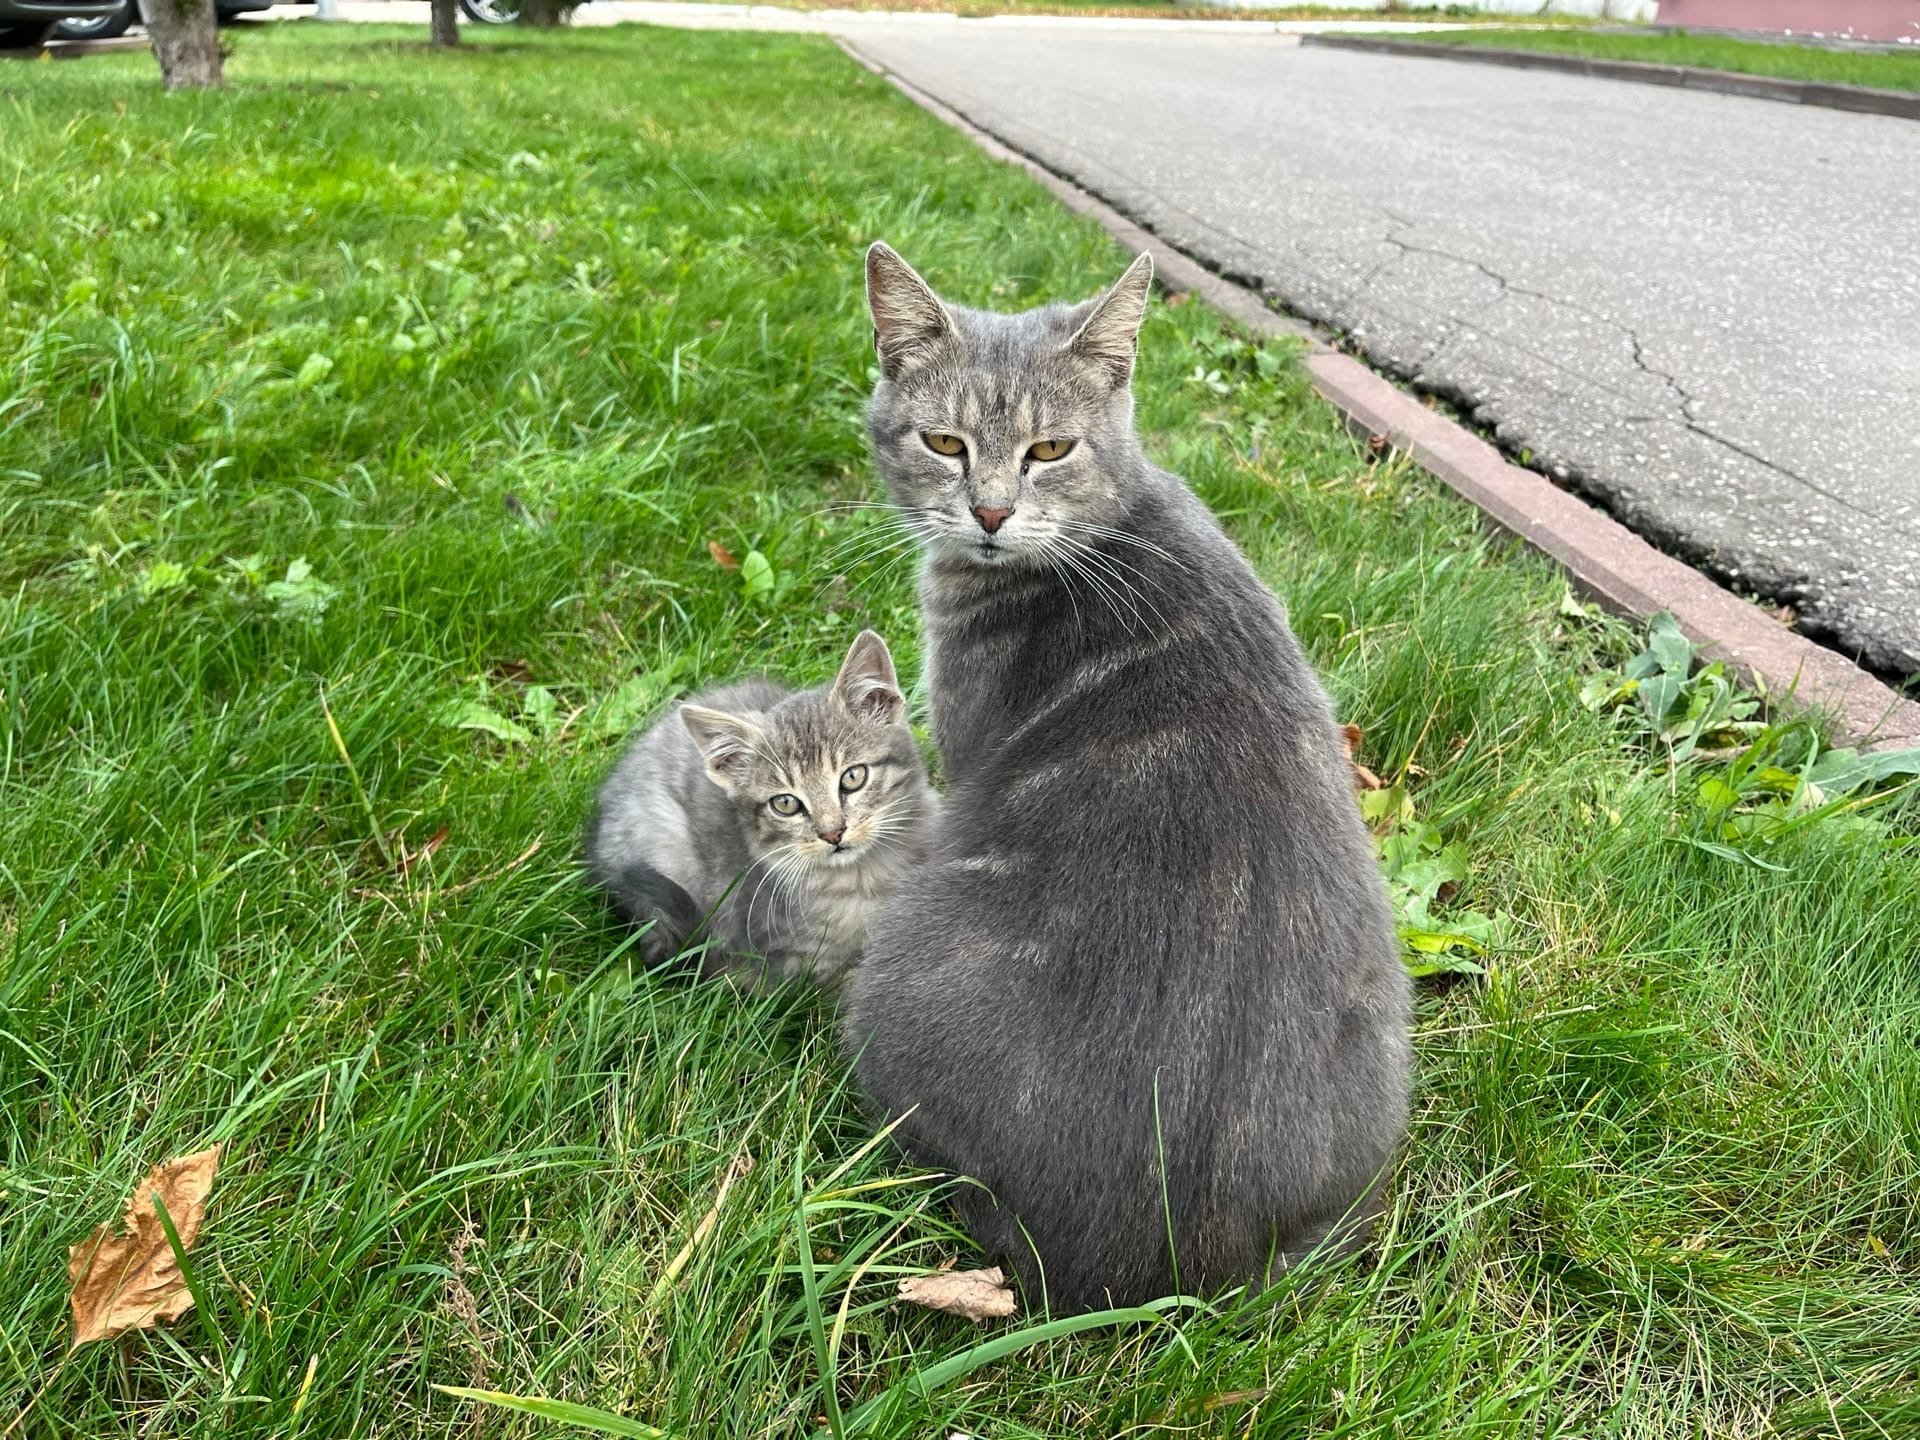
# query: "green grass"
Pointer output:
{"type": "Point", "coordinates": [586, 302]}
{"type": "Point", "coordinates": [1888, 70]}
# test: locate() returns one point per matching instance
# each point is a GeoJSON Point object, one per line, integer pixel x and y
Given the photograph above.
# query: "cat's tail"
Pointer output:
{"type": "Point", "coordinates": [642, 896]}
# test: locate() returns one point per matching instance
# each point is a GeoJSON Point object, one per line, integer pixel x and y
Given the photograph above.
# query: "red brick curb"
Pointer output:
{"type": "Point", "coordinates": [1863, 98]}
{"type": "Point", "coordinates": [1604, 558]}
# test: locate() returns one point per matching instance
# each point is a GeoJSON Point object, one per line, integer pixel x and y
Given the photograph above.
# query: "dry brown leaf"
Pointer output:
{"type": "Point", "coordinates": [1363, 778]}
{"type": "Point", "coordinates": [722, 556]}
{"type": "Point", "coordinates": [410, 858]}
{"type": "Point", "coordinates": [132, 1281]}
{"type": "Point", "coordinates": [971, 1294]}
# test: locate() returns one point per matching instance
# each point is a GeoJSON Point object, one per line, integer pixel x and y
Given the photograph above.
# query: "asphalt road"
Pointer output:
{"type": "Point", "coordinates": [1703, 311]}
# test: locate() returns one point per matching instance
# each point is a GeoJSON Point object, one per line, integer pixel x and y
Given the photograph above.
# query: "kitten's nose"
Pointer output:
{"type": "Point", "coordinates": [990, 518]}
{"type": "Point", "coordinates": [832, 837]}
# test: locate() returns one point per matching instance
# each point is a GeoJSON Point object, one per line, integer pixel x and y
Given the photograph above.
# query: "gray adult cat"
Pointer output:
{"type": "Point", "coordinates": [1147, 990]}
{"type": "Point", "coordinates": [774, 823]}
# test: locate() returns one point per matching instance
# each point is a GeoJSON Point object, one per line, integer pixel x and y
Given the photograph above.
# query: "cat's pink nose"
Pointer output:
{"type": "Point", "coordinates": [832, 837]}
{"type": "Point", "coordinates": [990, 518]}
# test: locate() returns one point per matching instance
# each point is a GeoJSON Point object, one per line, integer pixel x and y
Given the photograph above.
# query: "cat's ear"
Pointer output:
{"type": "Point", "coordinates": [1107, 336]}
{"type": "Point", "coordinates": [908, 319]}
{"type": "Point", "coordinates": [728, 742]}
{"type": "Point", "coordinates": [867, 684]}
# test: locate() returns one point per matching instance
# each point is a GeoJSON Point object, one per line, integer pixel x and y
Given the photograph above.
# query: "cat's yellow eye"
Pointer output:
{"type": "Point", "coordinates": [942, 443]}
{"type": "Point", "coordinates": [1049, 449]}
{"type": "Point", "coordinates": [785, 806]}
{"type": "Point", "coordinates": [852, 778]}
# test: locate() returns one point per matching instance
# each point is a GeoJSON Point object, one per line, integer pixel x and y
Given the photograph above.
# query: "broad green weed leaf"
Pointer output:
{"type": "Point", "coordinates": [541, 709]}
{"type": "Point", "coordinates": [1841, 772]}
{"type": "Point", "coordinates": [470, 714]}
{"type": "Point", "coordinates": [757, 579]}
{"type": "Point", "coordinates": [635, 700]}
{"type": "Point", "coordinates": [316, 369]}
{"type": "Point", "coordinates": [301, 595]}
{"type": "Point", "coordinates": [163, 577]}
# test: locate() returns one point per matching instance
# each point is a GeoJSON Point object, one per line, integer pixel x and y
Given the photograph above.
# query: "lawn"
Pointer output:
{"type": "Point", "coordinates": [364, 432]}
{"type": "Point", "coordinates": [1883, 70]}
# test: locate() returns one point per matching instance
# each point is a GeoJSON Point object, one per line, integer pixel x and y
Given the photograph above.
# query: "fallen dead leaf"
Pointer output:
{"type": "Point", "coordinates": [132, 1281]}
{"type": "Point", "coordinates": [1363, 778]}
{"type": "Point", "coordinates": [974, 1295]}
{"type": "Point", "coordinates": [412, 857]}
{"type": "Point", "coordinates": [722, 556]}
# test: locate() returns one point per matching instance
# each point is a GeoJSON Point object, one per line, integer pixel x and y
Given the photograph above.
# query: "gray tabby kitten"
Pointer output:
{"type": "Point", "coordinates": [1147, 991]}
{"type": "Point", "coordinates": [773, 823]}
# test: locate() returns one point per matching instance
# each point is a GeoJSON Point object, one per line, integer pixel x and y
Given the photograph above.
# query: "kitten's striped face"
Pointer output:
{"type": "Point", "coordinates": [827, 775]}
{"type": "Point", "coordinates": [990, 429]}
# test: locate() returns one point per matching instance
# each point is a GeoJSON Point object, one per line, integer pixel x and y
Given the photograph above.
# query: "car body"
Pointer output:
{"type": "Point", "coordinates": [107, 18]}
{"type": "Point", "coordinates": [25, 24]}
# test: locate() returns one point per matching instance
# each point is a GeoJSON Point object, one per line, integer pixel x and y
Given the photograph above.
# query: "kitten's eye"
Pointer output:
{"type": "Point", "coordinates": [942, 443]}
{"type": "Point", "coordinates": [785, 806]}
{"type": "Point", "coordinates": [1050, 449]}
{"type": "Point", "coordinates": [852, 778]}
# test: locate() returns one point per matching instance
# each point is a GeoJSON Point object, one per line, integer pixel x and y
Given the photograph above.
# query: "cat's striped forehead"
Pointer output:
{"type": "Point", "coordinates": [1010, 373]}
{"type": "Point", "coordinates": [809, 733]}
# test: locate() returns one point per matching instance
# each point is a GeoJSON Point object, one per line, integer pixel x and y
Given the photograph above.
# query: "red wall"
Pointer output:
{"type": "Point", "coordinates": [1860, 19]}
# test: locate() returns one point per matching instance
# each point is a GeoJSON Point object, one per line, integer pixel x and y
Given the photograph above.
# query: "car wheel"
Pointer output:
{"type": "Point", "coordinates": [492, 12]}
{"type": "Point", "coordinates": [97, 27]}
{"type": "Point", "coordinates": [24, 37]}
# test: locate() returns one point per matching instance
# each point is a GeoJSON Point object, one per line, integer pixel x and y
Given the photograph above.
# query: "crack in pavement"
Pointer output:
{"type": "Point", "coordinates": [1685, 402]}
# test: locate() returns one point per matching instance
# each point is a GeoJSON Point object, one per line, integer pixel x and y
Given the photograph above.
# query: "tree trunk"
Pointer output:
{"type": "Point", "coordinates": [445, 15]}
{"type": "Point", "coordinates": [186, 41]}
{"type": "Point", "coordinates": [545, 13]}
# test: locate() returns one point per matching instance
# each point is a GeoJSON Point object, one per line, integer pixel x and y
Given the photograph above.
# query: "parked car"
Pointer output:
{"type": "Point", "coordinates": [25, 24]}
{"type": "Point", "coordinates": [116, 16]}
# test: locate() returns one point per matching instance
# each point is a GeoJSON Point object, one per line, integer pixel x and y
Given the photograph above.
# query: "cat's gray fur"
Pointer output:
{"type": "Point", "coordinates": [1147, 990]}
{"type": "Point", "coordinates": [683, 837]}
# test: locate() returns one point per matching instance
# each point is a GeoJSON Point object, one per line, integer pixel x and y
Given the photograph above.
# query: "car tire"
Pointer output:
{"type": "Point", "coordinates": [491, 12]}
{"type": "Point", "coordinates": [98, 27]}
{"type": "Point", "coordinates": [24, 37]}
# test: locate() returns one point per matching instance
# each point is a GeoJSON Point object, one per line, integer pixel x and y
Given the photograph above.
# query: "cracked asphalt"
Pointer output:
{"type": "Point", "coordinates": [1701, 311]}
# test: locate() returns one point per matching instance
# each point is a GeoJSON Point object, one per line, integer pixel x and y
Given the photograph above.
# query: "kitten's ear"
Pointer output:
{"type": "Point", "coordinates": [867, 684]}
{"type": "Point", "coordinates": [908, 318]}
{"type": "Point", "coordinates": [1107, 336]}
{"type": "Point", "coordinates": [727, 741]}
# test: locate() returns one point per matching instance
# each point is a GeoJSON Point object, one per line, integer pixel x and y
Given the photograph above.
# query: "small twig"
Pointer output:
{"type": "Point", "coordinates": [524, 856]}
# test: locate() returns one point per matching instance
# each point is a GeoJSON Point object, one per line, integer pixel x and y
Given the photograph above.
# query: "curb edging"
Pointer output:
{"type": "Point", "coordinates": [1604, 559]}
{"type": "Point", "coordinates": [1862, 99]}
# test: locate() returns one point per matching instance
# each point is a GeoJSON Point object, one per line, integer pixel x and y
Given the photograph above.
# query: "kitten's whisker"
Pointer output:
{"type": "Point", "coordinates": [779, 852]}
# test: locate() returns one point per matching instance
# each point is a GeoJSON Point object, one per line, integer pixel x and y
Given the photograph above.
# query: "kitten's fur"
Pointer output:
{"type": "Point", "coordinates": [684, 836]}
{"type": "Point", "coordinates": [1147, 990]}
